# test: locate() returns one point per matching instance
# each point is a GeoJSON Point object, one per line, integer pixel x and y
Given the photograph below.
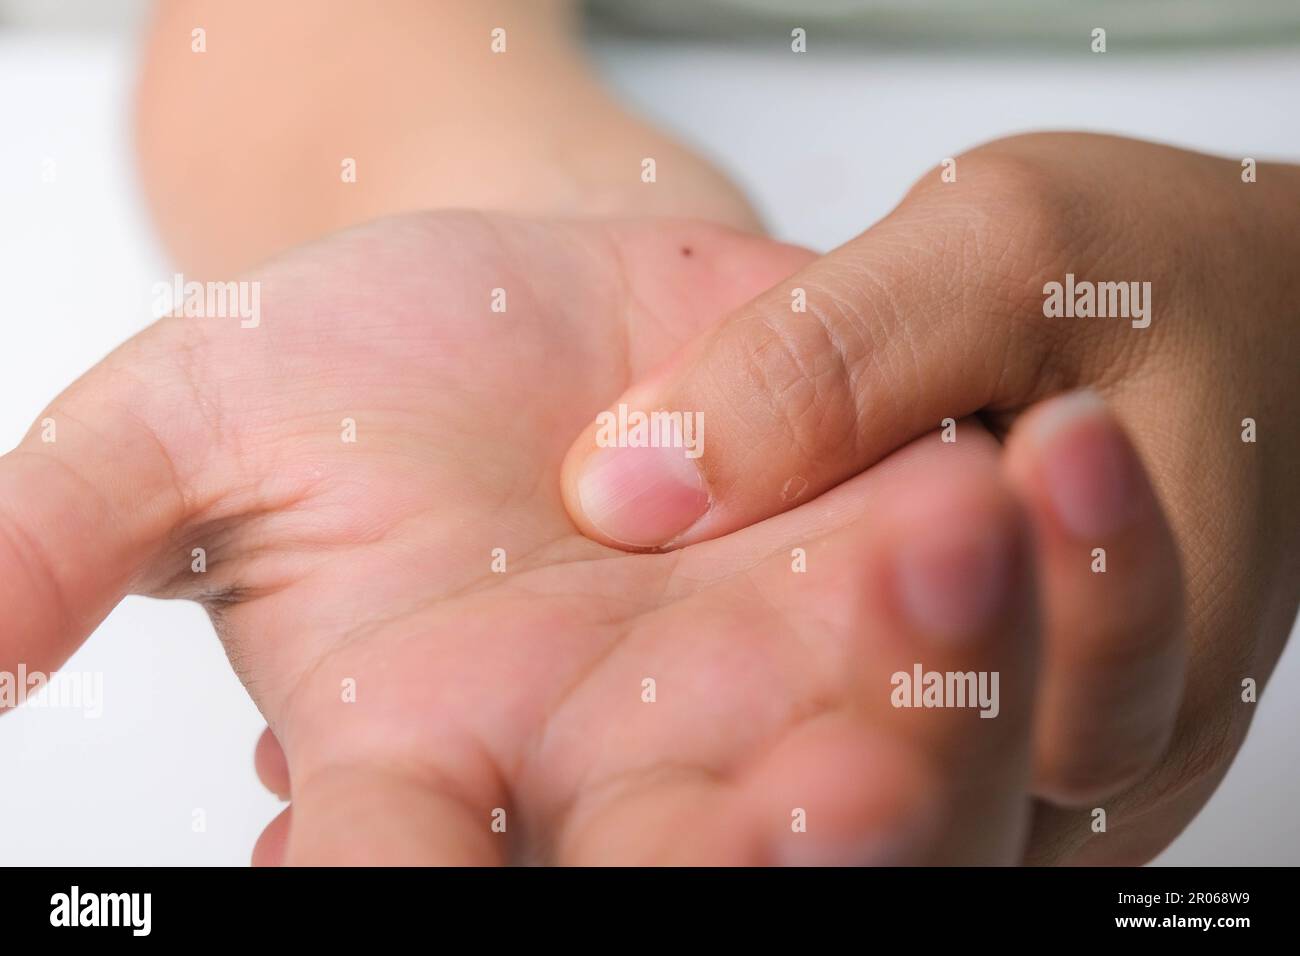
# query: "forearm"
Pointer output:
{"type": "Point", "coordinates": [302, 117]}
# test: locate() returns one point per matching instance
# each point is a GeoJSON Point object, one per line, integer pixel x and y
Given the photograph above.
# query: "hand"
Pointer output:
{"type": "Point", "coordinates": [414, 689]}
{"type": "Point", "coordinates": [939, 312]}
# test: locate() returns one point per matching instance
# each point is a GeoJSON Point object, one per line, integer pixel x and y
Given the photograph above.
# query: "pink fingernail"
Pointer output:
{"type": "Point", "coordinates": [954, 577]}
{"type": "Point", "coordinates": [642, 497]}
{"type": "Point", "coordinates": [1093, 477]}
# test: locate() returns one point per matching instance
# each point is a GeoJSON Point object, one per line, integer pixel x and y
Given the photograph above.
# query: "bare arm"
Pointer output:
{"type": "Point", "coordinates": [245, 146]}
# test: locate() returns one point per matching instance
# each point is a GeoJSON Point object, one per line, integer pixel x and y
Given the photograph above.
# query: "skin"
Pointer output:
{"type": "Point", "coordinates": [937, 311]}
{"type": "Point", "coordinates": [370, 561]}
{"type": "Point", "coordinates": [940, 304]}
{"type": "Point", "coordinates": [367, 565]}
{"type": "Point", "coordinates": [241, 146]}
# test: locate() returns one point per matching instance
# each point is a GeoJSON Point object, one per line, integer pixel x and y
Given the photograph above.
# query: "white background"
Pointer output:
{"type": "Point", "coordinates": [826, 142]}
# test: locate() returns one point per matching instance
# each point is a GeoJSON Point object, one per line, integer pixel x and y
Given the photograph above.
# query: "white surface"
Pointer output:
{"type": "Point", "coordinates": [827, 142]}
{"type": "Point", "coordinates": [76, 266]}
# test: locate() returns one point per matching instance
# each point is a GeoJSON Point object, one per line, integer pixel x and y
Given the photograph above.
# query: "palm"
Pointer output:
{"type": "Point", "coordinates": [359, 588]}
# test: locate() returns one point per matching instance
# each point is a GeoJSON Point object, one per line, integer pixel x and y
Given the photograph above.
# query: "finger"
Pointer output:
{"type": "Point", "coordinates": [375, 816]}
{"type": "Point", "coordinates": [1109, 568]}
{"type": "Point", "coordinates": [271, 765]}
{"type": "Point", "coordinates": [87, 500]}
{"type": "Point", "coordinates": [933, 601]}
{"type": "Point", "coordinates": [870, 492]}
{"type": "Point", "coordinates": [901, 331]}
{"type": "Point", "coordinates": [869, 797]}
{"type": "Point", "coordinates": [837, 791]}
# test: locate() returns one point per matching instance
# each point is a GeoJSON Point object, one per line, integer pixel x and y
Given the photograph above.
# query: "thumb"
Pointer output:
{"type": "Point", "coordinates": [87, 499]}
{"type": "Point", "coordinates": [934, 313]}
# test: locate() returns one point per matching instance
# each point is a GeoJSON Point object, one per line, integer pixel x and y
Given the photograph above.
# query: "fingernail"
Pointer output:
{"type": "Point", "coordinates": [1093, 477]}
{"type": "Point", "coordinates": [642, 497]}
{"type": "Point", "coordinates": [954, 577]}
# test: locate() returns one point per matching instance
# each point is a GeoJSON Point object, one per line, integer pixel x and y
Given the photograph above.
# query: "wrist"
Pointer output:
{"type": "Point", "coordinates": [598, 163]}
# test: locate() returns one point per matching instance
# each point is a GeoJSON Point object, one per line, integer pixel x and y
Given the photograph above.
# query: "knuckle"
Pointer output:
{"type": "Point", "coordinates": [1020, 215]}
{"type": "Point", "coordinates": [804, 374]}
